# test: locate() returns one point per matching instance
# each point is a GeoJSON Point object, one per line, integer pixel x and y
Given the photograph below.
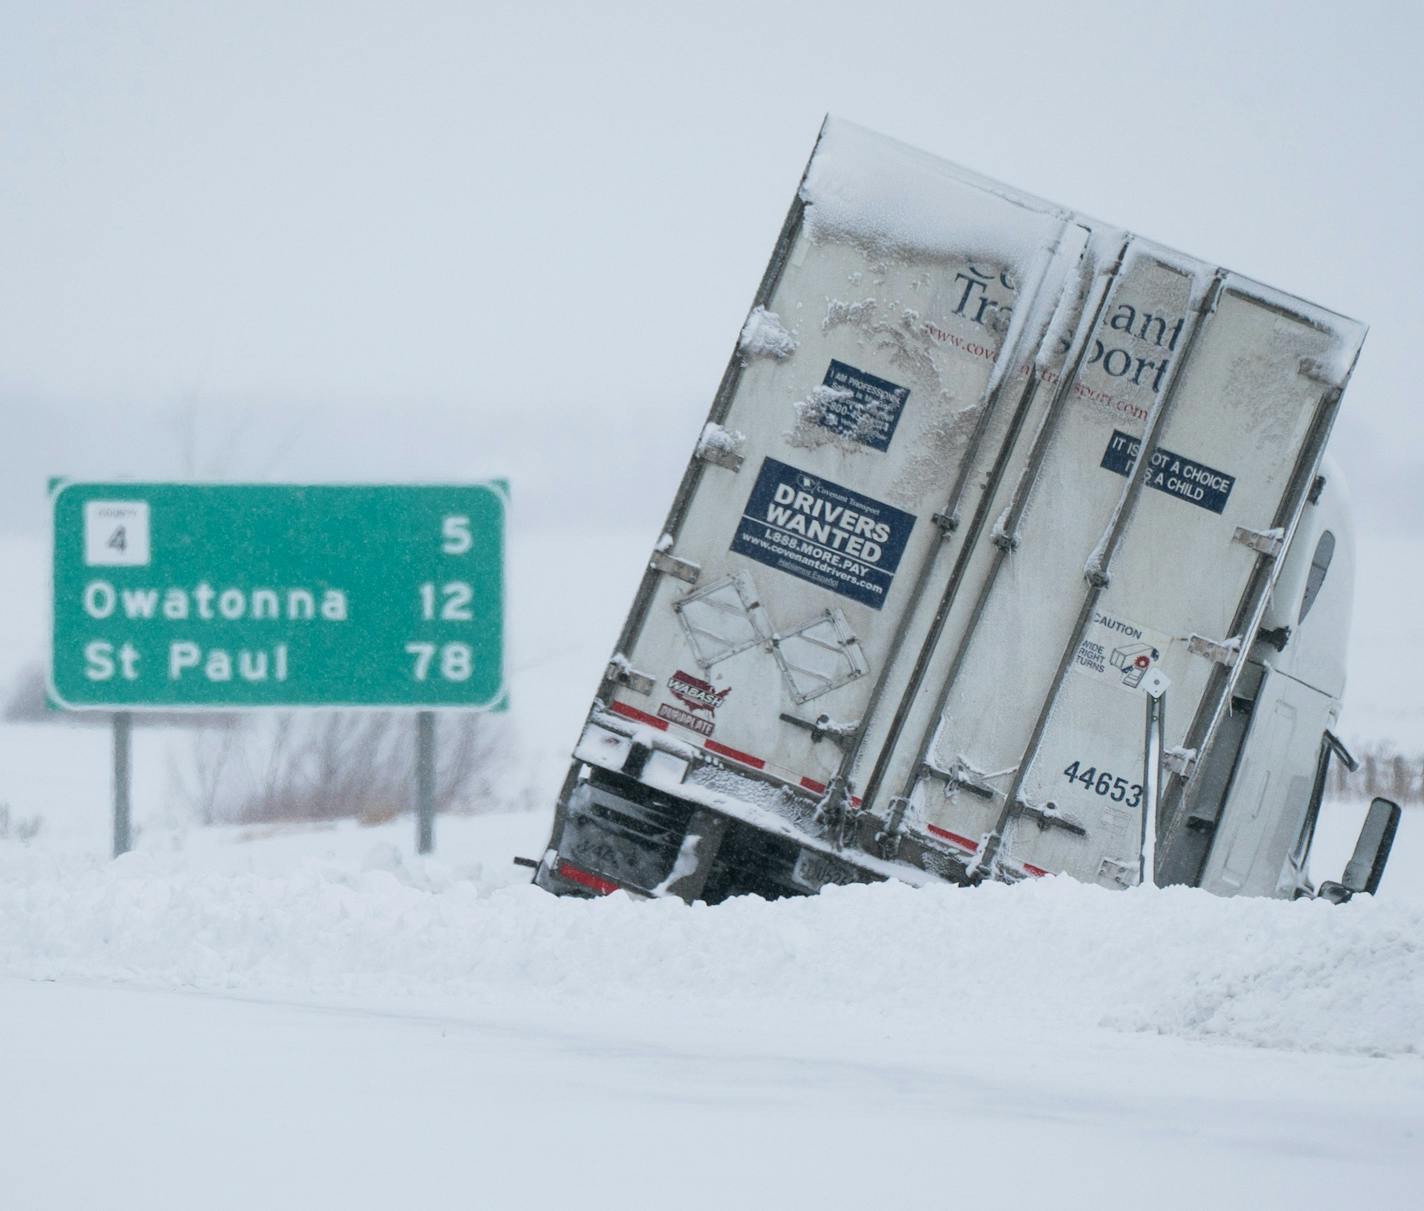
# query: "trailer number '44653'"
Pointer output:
{"type": "Point", "coordinates": [1100, 782]}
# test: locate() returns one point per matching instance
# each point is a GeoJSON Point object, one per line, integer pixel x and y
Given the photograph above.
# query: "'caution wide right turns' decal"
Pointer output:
{"type": "Point", "coordinates": [1118, 652]}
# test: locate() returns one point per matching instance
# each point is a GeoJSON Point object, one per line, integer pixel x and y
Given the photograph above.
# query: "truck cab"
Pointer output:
{"type": "Point", "coordinates": [1258, 800]}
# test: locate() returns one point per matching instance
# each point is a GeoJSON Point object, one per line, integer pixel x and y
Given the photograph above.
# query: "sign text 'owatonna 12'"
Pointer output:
{"type": "Point", "coordinates": [231, 596]}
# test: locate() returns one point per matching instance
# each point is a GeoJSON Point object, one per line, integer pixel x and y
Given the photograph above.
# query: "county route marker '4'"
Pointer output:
{"type": "Point", "coordinates": [182, 596]}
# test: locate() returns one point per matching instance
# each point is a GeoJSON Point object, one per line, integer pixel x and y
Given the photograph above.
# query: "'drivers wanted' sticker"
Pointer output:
{"type": "Point", "coordinates": [823, 532]}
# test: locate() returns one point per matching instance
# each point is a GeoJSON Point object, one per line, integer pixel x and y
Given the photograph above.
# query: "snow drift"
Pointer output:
{"type": "Point", "coordinates": [951, 963]}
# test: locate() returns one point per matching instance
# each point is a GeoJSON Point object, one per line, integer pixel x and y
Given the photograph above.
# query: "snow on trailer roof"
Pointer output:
{"type": "Point", "coordinates": [894, 199]}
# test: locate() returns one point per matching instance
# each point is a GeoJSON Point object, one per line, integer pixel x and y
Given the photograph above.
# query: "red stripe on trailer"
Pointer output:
{"type": "Point", "coordinates": [820, 788]}
{"type": "Point", "coordinates": [1037, 871]}
{"type": "Point", "coordinates": [971, 846]}
{"type": "Point", "coordinates": [714, 746]}
{"type": "Point", "coordinates": [585, 878]}
{"type": "Point", "coordinates": [632, 712]}
{"type": "Point", "coordinates": [723, 750]}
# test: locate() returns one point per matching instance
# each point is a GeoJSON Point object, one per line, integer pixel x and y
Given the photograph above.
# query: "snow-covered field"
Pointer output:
{"type": "Point", "coordinates": [154, 1100]}
{"type": "Point", "coordinates": [315, 1017]}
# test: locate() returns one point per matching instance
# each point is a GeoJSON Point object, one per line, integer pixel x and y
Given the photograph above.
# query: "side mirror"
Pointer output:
{"type": "Point", "coordinates": [1366, 867]}
{"type": "Point", "coordinates": [1364, 871]}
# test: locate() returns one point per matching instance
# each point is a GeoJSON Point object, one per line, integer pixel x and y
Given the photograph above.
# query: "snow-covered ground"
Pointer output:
{"type": "Point", "coordinates": [315, 1017]}
{"type": "Point", "coordinates": [183, 1102]}
{"type": "Point", "coordinates": [140, 1099]}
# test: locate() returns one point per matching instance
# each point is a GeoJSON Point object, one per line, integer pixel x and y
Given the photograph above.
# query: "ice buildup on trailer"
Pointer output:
{"type": "Point", "coordinates": [1008, 549]}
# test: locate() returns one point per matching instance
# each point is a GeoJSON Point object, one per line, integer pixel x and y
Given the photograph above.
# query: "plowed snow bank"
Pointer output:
{"type": "Point", "coordinates": [1040, 956]}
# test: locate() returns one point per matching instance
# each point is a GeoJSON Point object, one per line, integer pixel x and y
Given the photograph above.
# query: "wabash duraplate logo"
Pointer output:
{"type": "Point", "coordinates": [699, 695]}
{"type": "Point", "coordinates": [696, 695]}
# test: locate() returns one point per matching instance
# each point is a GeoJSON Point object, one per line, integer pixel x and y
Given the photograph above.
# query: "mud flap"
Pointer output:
{"type": "Point", "coordinates": [695, 856]}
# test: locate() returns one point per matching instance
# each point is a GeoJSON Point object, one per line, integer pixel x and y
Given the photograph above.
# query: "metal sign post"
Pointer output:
{"type": "Point", "coordinates": [123, 753]}
{"type": "Point", "coordinates": [278, 596]}
{"type": "Point", "coordinates": [1154, 685]}
{"type": "Point", "coordinates": [424, 782]}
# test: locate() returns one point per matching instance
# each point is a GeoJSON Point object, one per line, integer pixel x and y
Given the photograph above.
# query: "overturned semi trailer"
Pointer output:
{"type": "Point", "coordinates": [987, 486]}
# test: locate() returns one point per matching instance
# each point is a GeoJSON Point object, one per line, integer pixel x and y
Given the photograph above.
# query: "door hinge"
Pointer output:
{"type": "Point", "coordinates": [721, 447]}
{"type": "Point", "coordinates": [1180, 761]}
{"type": "Point", "coordinates": [720, 456]}
{"type": "Point", "coordinates": [1265, 542]}
{"type": "Point", "coordinates": [669, 564]}
{"type": "Point", "coordinates": [1226, 653]}
{"type": "Point", "coordinates": [620, 672]}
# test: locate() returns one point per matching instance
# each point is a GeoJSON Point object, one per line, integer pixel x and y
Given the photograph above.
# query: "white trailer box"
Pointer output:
{"type": "Point", "coordinates": [979, 465]}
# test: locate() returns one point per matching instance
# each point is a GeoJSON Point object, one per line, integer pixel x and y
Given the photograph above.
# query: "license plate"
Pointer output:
{"type": "Point", "coordinates": [814, 870]}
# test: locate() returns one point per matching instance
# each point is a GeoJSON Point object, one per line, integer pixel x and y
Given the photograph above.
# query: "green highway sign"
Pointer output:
{"type": "Point", "coordinates": [275, 595]}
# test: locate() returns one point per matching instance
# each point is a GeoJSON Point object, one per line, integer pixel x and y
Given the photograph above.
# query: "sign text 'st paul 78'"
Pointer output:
{"type": "Point", "coordinates": [231, 596]}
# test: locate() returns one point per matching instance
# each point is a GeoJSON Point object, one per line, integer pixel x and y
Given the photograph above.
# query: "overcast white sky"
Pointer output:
{"type": "Point", "coordinates": [418, 240]}
{"type": "Point", "coordinates": [459, 228]}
